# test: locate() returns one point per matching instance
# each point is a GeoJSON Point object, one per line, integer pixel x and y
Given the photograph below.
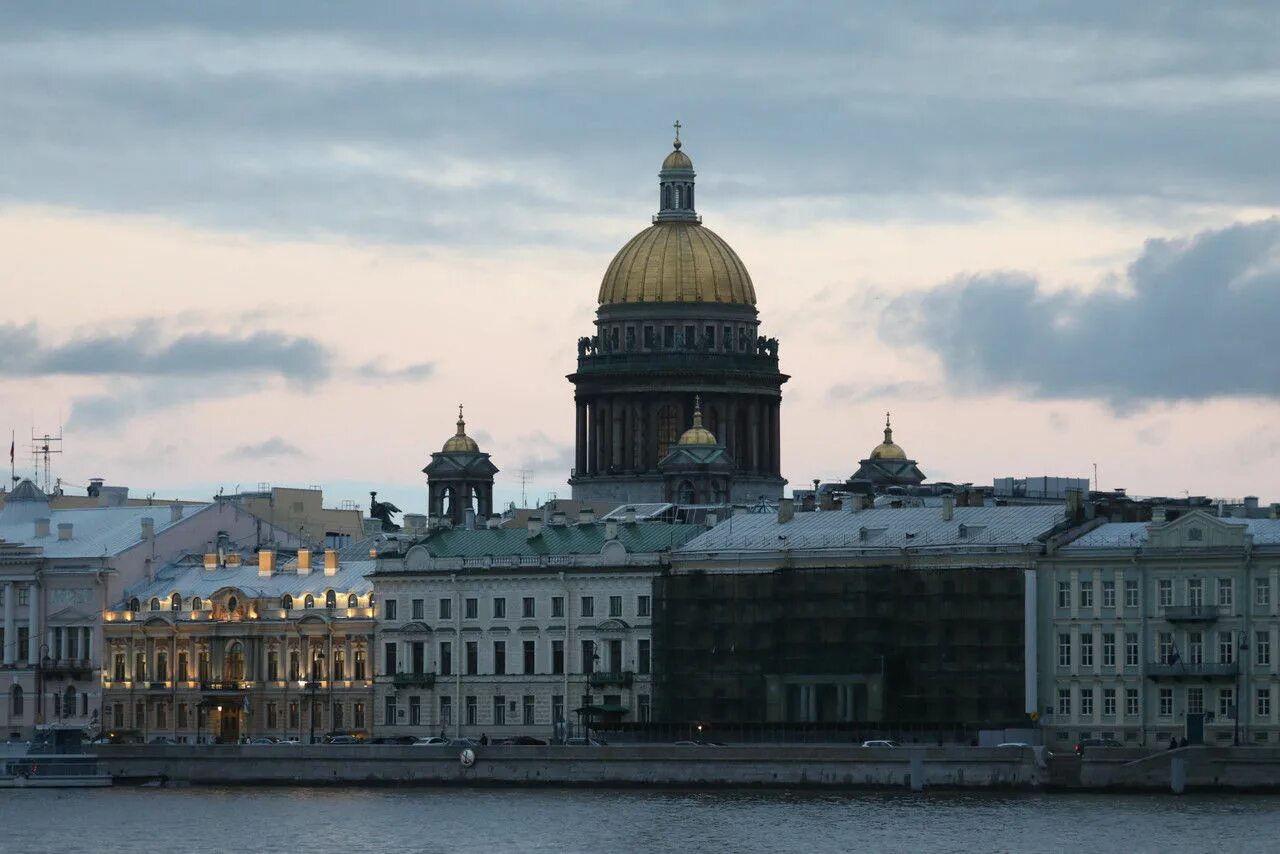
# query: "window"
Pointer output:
{"type": "Point", "coordinates": [530, 656]}
{"type": "Point", "coordinates": [118, 674]}
{"type": "Point", "coordinates": [1262, 592]}
{"type": "Point", "coordinates": [1064, 650]}
{"type": "Point", "coordinates": [293, 715]}
{"type": "Point", "coordinates": [588, 657]}
{"type": "Point", "coordinates": [286, 602]}
{"type": "Point", "coordinates": [339, 714]}
{"type": "Point", "coordinates": [642, 656]}
{"type": "Point", "coordinates": [1226, 592]}
{"type": "Point", "coordinates": [526, 607]}
{"type": "Point", "coordinates": [615, 606]}
{"type": "Point", "coordinates": [471, 711]}
{"type": "Point", "coordinates": [1165, 707]}
{"type": "Point", "coordinates": [1226, 647]}
{"type": "Point", "coordinates": [588, 606]}
{"type": "Point", "coordinates": [499, 657]}
{"type": "Point", "coordinates": [24, 596]}
{"type": "Point", "coordinates": [417, 658]}
{"type": "Point", "coordinates": [175, 602]}
{"type": "Point", "coordinates": [1086, 594]}
{"type": "Point", "coordinates": [134, 604]}
{"type": "Point", "coordinates": [330, 599]}
{"type": "Point", "coordinates": [446, 609]}
{"type": "Point", "coordinates": [353, 601]}
{"type": "Point", "coordinates": [389, 659]}
{"type": "Point", "coordinates": [1108, 649]}
{"type": "Point", "coordinates": [643, 606]}
{"type": "Point", "coordinates": [357, 715]}
{"type": "Point", "coordinates": [1195, 700]}
{"type": "Point", "coordinates": [1262, 649]}
{"type": "Point", "coordinates": [499, 608]}
{"type": "Point", "coordinates": [273, 666]}
{"type": "Point", "coordinates": [1195, 534]}
{"type": "Point", "coordinates": [1165, 643]}
{"type": "Point", "coordinates": [643, 708]}
{"type": "Point", "coordinates": [557, 606]}
{"type": "Point", "coordinates": [389, 711]}
{"type": "Point", "coordinates": [557, 656]}
{"type": "Point", "coordinates": [16, 701]}
{"type": "Point", "coordinates": [388, 609]}
{"type": "Point", "coordinates": [1086, 650]}
{"type": "Point", "coordinates": [1131, 593]}
{"type": "Point", "coordinates": [499, 710]}
{"type": "Point", "coordinates": [1086, 702]}
{"type": "Point", "coordinates": [446, 712]}
{"type": "Point", "coordinates": [1109, 702]}
{"type": "Point", "coordinates": [294, 671]}
{"type": "Point", "coordinates": [1195, 647]}
{"type": "Point", "coordinates": [418, 607]}
{"type": "Point", "coordinates": [472, 611]}
{"type": "Point", "coordinates": [358, 665]}
{"type": "Point", "coordinates": [1131, 649]}
{"type": "Point", "coordinates": [1064, 702]}
{"type": "Point", "coordinates": [1262, 702]}
{"type": "Point", "coordinates": [1108, 594]}
{"type": "Point", "coordinates": [310, 602]}
{"type": "Point", "coordinates": [473, 658]}
{"type": "Point", "coordinates": [446, 658]}
{"type": "Point", "coordinates": [415, 710]}
{"type": "Point", "coordinates": [1064, 594]}
{"type": "Point", "coordinates": [1164, 592]}
{"type": "Point", "coordinates": [1195, 592]}
{"type": "Point", "coordinates": [1226, 702]}
{"type": "Point", "coordinates": [557, 708]}
{"type": "Point", "coordinates": [1131, 702]}
{"type": "Point", "coordinates": [527, 705]}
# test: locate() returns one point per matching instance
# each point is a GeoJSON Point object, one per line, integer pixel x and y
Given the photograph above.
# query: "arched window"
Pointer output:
{"type": "Point", "coordinates": [286, 601]}
{"type": "Point", "coordinates": [134, 604]}
{"type": "Point", "coordinates": [339, 665]}
{"type": "Point", "coordinates": [668, 428]}
{"type": "Point", "coordinates": [717, 492]}
{"type": "Point", "coordinates": [233, 664]}
{"type": "Point", "coordinates": [309, 602]}
{"type": "Point", "coordinates": [330, 599]}
{"type": "Point", "coordinates": [17, 701]}
{"type": "Point", "coordinates": [69, 702]}
{"type": "Point", "coordinates": [196, 604]}
{"type": "Point", "coordinates": [232, 604]}
{"type": "Point", "coordinates": [155, 603]}
{"type": "Point", "coordinates": [353, 601]}
{"type": "Point", "coordinates": [175, 602]}
{"type": "Point", "coordinates": [686, 493]}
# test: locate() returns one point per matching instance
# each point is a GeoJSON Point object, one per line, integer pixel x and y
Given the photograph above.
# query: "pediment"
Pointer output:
{"type": "Point", "coordinates": [1198, 529]}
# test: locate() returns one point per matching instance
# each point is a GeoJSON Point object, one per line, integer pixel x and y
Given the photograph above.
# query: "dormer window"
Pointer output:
{"type": "Point", "coordinates": [155, 604]}
{"type": "Point", "coordinates": [286, 602]}
{"type": "Point", "coordinates": [175, 602]}
{"type": "Point", "coordinates": [330, 600]}
{"type": "Point", "coordinates": [135, 604]}
{"type": "Point", "coordinates": [309, 602]}
{"type": "Point", "coordinates": [232, 604]}
{"type": "Point", "coordinates": [353, 601]}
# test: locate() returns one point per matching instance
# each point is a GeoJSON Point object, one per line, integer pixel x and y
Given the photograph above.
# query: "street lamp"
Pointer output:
{"type": "Point", "coordinates": [1242, 647]}
{"type": "Point", "coordinates": [317, 670]}
{"type": "Point", "coordinates": [42, 656]}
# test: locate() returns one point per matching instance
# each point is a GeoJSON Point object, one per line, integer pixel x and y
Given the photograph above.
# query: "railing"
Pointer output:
{"type": "Point", "coordinates": [1191, 670]}
{"type": "Point", "coordinates": [413, 680]}
{"type": "Point", "coordinates": [677, 359]}
{"type": "Point", "coordinates": [64, 665]}
{"type": "Point", "coordinates": [225, 685]}
{"type": "Point", "coordinates": [617, 677]}
{"type": "Point", "coordinates": [1192, 613]}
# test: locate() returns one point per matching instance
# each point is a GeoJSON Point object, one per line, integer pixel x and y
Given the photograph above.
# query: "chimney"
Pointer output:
{"type": "Point", "coordinates": [266, 562]}
{"type": "Point", "coordinates": [1275, 511]}
{"type": "Point", "coordinates": [148, 528]}
{"type": "Point", "coordinates": [786, 510]}
{"type": "Point", "coordinates": [535, 526]}
{"type": "Point", "coordinates": [175, 511]}
{"type": "Point", "coordinates": [586, 516]}
{"type": "Point", "coordinates": [558, 518]}
{"type": "Point", "coordinates": [414, 522]}
{"type": "Point", "coordinates": [233, 559]}
{"type": "Point", "coordinates": [210, 560]}
{"type": "Point", "coordinates": [493, 523]}
{"type": "Point", "coordinates": [1157, 515]}
{"type": "Point", "coordinates": [711, 520]}
{"type": "Point", "coordinates": [825, 501]}
{"type": "Point", "coordinates": [469, 519]}
{"type": "Point", "coordinates": [629, 515]}
{"type": "Point", "coordinates": [304, 559]}
{"type": "Point", "coordinates": [113, 496]}
{"type": "Point", "coordinates": [1251, 505]}
{"type": "Point", "coordinates": [948, 508]}
{"type": "Point", "coordinates": [64, 530]}
{"type": "Point", "coordinates": [42, 527]}
{"type": "Point", "coordinates": [611, 529]}
{"type": "Point", "coordinates": [330, 561]}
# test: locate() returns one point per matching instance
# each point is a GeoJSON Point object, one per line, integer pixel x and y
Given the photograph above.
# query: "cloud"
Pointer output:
{"type": "Point", "coordinates": [408, 373]}
{"type": "Point", "coordinates": [853, 392]}
{"type": "Point", "coordinates": [1191, 319]}
{"type": "Point", "coordinates": [266, 449]}
{"type": "Point", "coordinates": [132, 397]}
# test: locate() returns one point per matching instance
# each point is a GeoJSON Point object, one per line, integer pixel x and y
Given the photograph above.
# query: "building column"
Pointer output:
{"type": "Point", "coordinates": [1030, 634]}
{"type": "Point", "coordinates": [775, 427]}
{"type": "Point", "coordinates": [10, 630]}
{"type": "Point", "coordinates": [618, 431]}
{"type": "Point", "coordinates": [33, 623]}
{"type": "Point", "coordinates": [63, 637]}
{"type": "Point", "coordinates": [753, 431]}
{"type": "Point", "coordinates": [580, 440]}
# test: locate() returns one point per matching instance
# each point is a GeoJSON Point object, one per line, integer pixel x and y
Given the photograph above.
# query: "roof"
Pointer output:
{"type": "Point", "coordinates": [885, 528]}
{"type": "Point", "coordinates": [95, 531]}
{"type": "Point", "coordinates": [188, 578]}
{"type": "Point", "coordinates": [1135, 534]}
{"type": "Point", "coordinates": [679, 261]}
{"type": "Point", "coordinates": [568, 539]}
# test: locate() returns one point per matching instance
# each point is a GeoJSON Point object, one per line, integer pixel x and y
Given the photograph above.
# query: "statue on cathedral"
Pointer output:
{"type": "Point", "coordinates": [382, 511]}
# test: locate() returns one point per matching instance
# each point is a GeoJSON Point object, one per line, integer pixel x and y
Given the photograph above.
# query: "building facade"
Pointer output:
{"type": "Point", "coordinates": [1163, 629]}
{"type": "Point", "coordinates": [677, 319]}
{"type": "Point", "coordinates": [215, 648]}
{"type": "Point", "coordinates": [533, 631]}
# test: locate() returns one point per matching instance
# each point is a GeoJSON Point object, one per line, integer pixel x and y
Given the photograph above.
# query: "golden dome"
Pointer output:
{"type": "Point", "coordinates": [887, 450]}
{"type": "Point", "coordinates": [697, 434]}
{"type": "Point", "coordinates": [677, 159]}
{"type": "Point", "coordinates": [677, 261]}
{"type": "Point", "coordinates": [460, 441]}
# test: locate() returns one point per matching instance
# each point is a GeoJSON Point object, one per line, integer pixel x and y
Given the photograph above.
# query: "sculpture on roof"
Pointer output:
{"type": "Point", "coordinates": [382, 511]}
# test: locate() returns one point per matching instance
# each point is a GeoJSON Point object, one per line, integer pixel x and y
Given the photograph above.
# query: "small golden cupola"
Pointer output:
{"type": "Point", "coordinates": [887, 450]}
{"type": "Point", "coordinates": [460, 441]}
{"type": "Point", "coordinates": [697, 434]}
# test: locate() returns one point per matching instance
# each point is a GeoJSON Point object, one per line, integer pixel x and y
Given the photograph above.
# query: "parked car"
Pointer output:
{"type": "Point", "coordinates": [289, 740]}
{"type": "Point", "coordinates": [162, 739]}
{"type": "Point", "coordinates": [527, 741]}
{"type": "Point", "coordinates": [394, 739]}
{"type": "Point", "coordinates": [880, 742]}
{"type": "Point", "coordinates": [431, 741]}
{"type": "Point", "coordinates": [464, 742]}
{"type": "Point", "coordinates": [262, 739]}
{"type": "Point", "coordinates": [1095, 742]}
{"type": "Point", "coordinates": [341, 739]}
{"type": "Point", "coordinates": [586, 742]}
{"type": "Point", "coordinates": [1013, 744]}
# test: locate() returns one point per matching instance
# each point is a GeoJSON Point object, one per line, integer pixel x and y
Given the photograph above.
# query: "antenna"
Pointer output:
{"type": "Point", "coordinates": [524, 482]}
{"type": "Point", "coordinates": [42, 450]}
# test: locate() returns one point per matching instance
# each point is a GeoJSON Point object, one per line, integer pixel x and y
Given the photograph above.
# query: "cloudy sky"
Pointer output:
{"type": "Point", "coordinates": [281, 244]}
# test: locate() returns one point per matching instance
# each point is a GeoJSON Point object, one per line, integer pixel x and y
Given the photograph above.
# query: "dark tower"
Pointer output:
{"type": "Point", "coordinates": [460, 478]}
{"type": "Point", "coordinates": [677, 317]}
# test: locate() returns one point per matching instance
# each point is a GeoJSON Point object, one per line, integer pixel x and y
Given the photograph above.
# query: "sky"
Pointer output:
{"type": "Point", "coordinates": [246, 243]}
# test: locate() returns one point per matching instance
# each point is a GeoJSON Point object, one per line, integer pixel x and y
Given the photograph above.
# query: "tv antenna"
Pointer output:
{"type": "Point", "coordinates": [43, 448]}
{"type": "Point", "coordinates": [524, 483]}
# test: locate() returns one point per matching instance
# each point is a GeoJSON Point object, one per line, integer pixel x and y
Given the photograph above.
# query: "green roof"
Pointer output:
{"type": "Point", "coordinates": [567, 539]}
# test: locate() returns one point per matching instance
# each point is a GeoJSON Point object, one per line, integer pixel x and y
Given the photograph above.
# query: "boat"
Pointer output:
{"type": "Point", "coordinates": [54, 760]}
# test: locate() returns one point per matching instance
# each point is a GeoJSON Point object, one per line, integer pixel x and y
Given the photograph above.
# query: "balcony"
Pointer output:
{"type": "Point", "coordinates": [1192, 613]}
{"type": "Point", "coordinates": [600, 679]}
{"type": "Point", "coordinates": [413, 680]}
{"type": "Point", "coordinates": [66, 665]}
{"type": "Point", "coordinates": [225, 685]}
{"type": "Point", "coordinates": [1187, 670]}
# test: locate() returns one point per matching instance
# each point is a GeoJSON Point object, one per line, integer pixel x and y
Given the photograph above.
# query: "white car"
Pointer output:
{"type": "Point", "coordinates": [431, 741]}
{"type": "Point", "coordinates": [1013, 744]}
{"type": "Point", "coordinates": [880, 742]}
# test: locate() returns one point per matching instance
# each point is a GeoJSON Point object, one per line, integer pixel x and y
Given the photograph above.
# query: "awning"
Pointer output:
{"type": "Point", "coordinates": [602, 709]}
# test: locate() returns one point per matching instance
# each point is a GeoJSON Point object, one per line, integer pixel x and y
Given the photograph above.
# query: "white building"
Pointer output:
{"type": "Point", "coordinates": [504, 631]}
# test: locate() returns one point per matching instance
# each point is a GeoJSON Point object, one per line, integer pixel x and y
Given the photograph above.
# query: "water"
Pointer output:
{"type": "Point", "coordinates": [319, 821]}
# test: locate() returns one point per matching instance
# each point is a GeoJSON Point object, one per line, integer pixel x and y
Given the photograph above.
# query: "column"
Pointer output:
{"type": "Point", "coordinates": [731, 433]}
{"type": "Point", "coordinates": [63, 651]}
{"type": "Point", "coordinates": [775, 427]}
{"type": "Point", "coordinates": [753, 430]}
{"type": "Point", "coordinates": [580, 440]}
{"type": "Point", "coordinates": [10, 631]}
{"type": "Point", "coordinates": [617, 430]}
{"type": "Point", "coordinates": [1030, 634]}
{"type": "Point", "coordinates": [33, 624]}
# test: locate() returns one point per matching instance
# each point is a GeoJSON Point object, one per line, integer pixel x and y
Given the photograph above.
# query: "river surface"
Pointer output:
{"type": "Point", "coordinates": [602, 821]}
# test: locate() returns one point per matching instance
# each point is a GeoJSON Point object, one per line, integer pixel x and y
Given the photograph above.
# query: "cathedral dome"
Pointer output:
{"type": "Point", "coordinates": [677, 159]}
{"type": "Point", "coordinates": [697, 434]}
{"type": "Point", "coordinates": [887, 450]}
{"type": "Point", "coordinates": [677, 261]}
{"type": "Point", "coordinates": [460, 441]}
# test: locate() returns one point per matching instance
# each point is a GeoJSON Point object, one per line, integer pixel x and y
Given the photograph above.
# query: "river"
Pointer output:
{"type": "Point", "coordinates": [318, 821]}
